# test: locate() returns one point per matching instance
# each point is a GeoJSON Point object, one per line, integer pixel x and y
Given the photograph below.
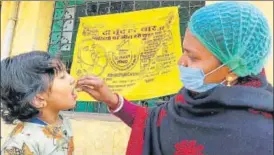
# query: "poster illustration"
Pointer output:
{"type": "Point", "coordinates": [136, 53]}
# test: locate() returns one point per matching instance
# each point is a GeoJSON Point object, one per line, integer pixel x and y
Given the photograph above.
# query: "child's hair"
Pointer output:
{"type": "Point", "coordinates": [22, 77]}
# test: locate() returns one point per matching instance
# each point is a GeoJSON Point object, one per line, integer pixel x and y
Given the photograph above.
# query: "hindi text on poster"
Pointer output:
{"type": "Point", "coordinates": [136, 53]}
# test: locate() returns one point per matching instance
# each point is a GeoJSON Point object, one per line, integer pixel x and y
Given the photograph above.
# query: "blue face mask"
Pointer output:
{"type": "Point", "coordinates": [193, 79]}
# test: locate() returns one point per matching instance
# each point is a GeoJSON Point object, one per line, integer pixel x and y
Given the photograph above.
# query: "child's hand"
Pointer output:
{"type": "Point", "coordinates": [97, 88]}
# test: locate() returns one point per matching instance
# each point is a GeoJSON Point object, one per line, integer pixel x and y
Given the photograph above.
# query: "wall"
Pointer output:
{"type": "Point", "coordinates": [5, 12]}
{"type": "Point", "coordinates": [93, 136]}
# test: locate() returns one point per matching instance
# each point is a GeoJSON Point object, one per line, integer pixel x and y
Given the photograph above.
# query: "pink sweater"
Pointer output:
{"type": "Point", "coordinates": [127, 112]}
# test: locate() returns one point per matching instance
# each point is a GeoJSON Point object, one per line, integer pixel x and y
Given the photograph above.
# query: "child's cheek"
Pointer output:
{"type": "Point", "coordinates": [62, 89]}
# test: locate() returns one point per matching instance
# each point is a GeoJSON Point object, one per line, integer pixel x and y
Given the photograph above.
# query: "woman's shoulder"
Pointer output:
{"type": "Point", "coordinates": [269, 88]}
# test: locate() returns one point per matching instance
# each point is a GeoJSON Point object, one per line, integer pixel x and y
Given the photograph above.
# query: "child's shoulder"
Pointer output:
{"type": "Point", "coordinates": [21, 140]}
{"type": "Point", "coordinates": [15, 146]}
{"type": "Point", "coordinates": [25, 129]}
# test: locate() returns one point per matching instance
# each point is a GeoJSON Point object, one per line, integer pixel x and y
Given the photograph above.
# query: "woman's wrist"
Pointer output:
{"type": "Point", "coordinates": [113, 101]}
{"type": "Point", "coordinates": [118, 106]}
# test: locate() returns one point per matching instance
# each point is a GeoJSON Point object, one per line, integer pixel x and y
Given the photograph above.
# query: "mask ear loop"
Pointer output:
{"type": "Point", "coordinates": [215, 69]}
{"type": "Point", "coordinates": [228, 79]}
{"type": "Point", "coordinates": [222, 83]}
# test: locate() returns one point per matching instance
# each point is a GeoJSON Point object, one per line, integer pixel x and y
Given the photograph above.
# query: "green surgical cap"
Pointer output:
{"type": "Point", "coordinates": [236, 33]}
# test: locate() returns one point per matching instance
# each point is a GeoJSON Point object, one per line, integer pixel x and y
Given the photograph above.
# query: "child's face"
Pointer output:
{"type": "Point", "coordinates": [62, 94]}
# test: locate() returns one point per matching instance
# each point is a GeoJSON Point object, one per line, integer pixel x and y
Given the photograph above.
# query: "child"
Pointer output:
{"type": "Point", "coordinates": [35, 87]}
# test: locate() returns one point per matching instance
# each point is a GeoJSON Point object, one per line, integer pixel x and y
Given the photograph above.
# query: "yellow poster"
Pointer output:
{"type": "Point", "coordinates": [136, 53]}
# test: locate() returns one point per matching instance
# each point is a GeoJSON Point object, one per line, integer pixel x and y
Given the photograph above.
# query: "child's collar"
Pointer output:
{"type": "Point", "coordinates": [37, 121]}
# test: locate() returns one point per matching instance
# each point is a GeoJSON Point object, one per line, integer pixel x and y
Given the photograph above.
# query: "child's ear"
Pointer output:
{"type": "Point", "coordinates": [39, 101]}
